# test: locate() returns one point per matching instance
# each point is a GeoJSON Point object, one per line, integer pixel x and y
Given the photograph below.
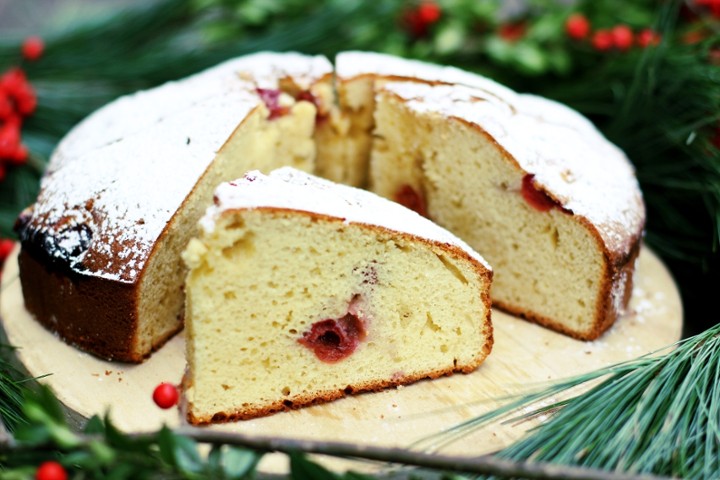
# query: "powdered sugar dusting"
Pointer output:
{"type": "Point", "coordinates": [117, 179]}
{"type": "Point", "coordinates": [136, 184]}
{"type": "Point", "coordinates": [569, 158]}
{"type": "Point", "coordinates": [292, 189]}
{"type": "Point", "coordinates": [354, 64]}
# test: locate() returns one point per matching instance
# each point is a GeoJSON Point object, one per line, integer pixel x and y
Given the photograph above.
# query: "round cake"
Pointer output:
{"type": "Point", "coordinates": [528, 183]}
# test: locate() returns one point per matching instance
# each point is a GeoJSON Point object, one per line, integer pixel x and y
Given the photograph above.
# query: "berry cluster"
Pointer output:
{"type": "Point", "coordinates": [17, 101]}
{"type": "Point", "coordinates": [620, 37]}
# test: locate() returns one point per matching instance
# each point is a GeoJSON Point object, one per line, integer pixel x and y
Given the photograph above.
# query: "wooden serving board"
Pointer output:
{"type": "Point", "coordinates": [524, 356]}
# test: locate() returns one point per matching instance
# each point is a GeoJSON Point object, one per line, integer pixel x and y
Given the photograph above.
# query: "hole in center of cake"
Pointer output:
{"type": "Point", "coordinates": [332, 340]}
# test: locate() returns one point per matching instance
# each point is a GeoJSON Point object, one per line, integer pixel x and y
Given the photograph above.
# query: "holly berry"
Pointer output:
{"type": "Point", "coordinates": [419, 20]}
{"type": "Point", "coordinates": [622, 37]}
{"type": "Point", "coordinates": [577, 26]}
{"type": "Point", "coordinates": [6, 106]}
{"type": "Point", "coordinates": [33, 48]}
{"type": "Point", "coordinates": [602, 40]}
{"type": "Point", "coordinates": [648, 38]}
{"type": "Point", "coordinates": [512, 32]}
{"type": "Point", "coordinates": [429, 12]}
{"type": "Point", "coordinates": [51, 471]}
{"type": "Point", "coordinates": [9, 140]}
{"type": "Point", "coordinates": [6, 246]}
{"type": "Point", "coordinates": [166, 395]}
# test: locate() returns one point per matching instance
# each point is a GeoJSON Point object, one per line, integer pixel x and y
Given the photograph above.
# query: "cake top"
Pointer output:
{"type": "Point", "coordinates": [118, 178]}
{"type": "Point", "coordinates": [570, 160]}
{"type": "Point", "coordinates": [291, 189]}
{"type": "Point", "coordinates": [134, 113]}
{"type": "Point", "coordinates": [353, 64]}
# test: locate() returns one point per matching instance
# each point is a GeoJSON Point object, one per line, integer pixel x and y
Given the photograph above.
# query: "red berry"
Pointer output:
{"type": "Point", "coordinates": [9, 140]}
{"type": "Point", "coordinates": [429, 12]}
{"type": "Point", "coordinates": [410, 198]}
{"type": "Point", "coordinates": [512, 32]}
{"type": "Point", "coordinates": [6, 246]}
{"type": "Point", "coordinates": [25, 100]}
{"type": "Point", "coordinates": [12, 80]}
{"type": "Point", "coordinates": [602, 40]}
{"type": "Point", "coordinates": [577, 26]}
{"type": "Point", "coordinates": [648, 38]}
{"type": "Point", "coordinates": [19, 156]}
{"type": "Point", "coordinates": [51, 471]}
{"type": "Point", "coordinates": [622, 37]}
{"type": "Point", "coordinates": [166, 395]}
{"type": "Point", "coordinates": [6, 105]}
{"type": "Point", "coordinates": [32, 48]}
{"type": "Point", "coordinates": [12, 120]}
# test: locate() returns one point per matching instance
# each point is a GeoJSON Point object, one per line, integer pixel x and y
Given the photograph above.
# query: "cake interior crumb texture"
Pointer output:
{"type": "Point", "coordinates": [263, 278]}
{"type": "Point", "coordinates": [472, 190]}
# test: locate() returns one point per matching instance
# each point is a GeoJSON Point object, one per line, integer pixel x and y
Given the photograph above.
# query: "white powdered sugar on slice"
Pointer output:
{"type": "Point", "coordinates": [353, 64]}
{"type": "Point", "coordinates": [569, 158]}
{"type": "Point", "coordinates": [288, 188]}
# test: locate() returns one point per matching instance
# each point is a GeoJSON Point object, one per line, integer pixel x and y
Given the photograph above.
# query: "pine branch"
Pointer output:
{"type": "Point", "coordinates": [655, 415]}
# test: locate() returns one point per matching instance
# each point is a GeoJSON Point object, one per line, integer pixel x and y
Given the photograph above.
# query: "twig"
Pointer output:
{"type": "Point", "coordinates": [485, 464]}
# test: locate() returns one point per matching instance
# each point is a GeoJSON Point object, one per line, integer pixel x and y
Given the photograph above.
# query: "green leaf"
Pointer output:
{"type": "Point", "coordinates": [303, 469]}
{"type": "Point", "coordinates": [44, 406]}
{"type": "Point", "coordinates": [180, 452]}
{"type": "Point", "coordinates": [94, 426]}
{"type": "Point", "coordinates": [239, 462]}
{"type": "Point", "coordinates": [35, 434]}
{"type": "Point", "coordinates": [530, 57]}
{"type": "Point", "coordinates": [449, 38]}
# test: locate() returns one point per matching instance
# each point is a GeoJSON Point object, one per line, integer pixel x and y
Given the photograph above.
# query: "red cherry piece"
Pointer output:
{"type": "Point", "coordinates": [271, 99]}
{"type": "Point", "coordinates": [410, 198]}
{"type": "Point", "coordinates": [577, 26]}
{"type": "Point", "coordinates": [166, 395]}
{"type": "Point", "coordinates": [602, 40]}
{"type": "Point", "coordinates": [51, 471]}
{"type": "Point", "coordinates": [333, 340]}
{"type": "Point", "coordinates": [537, 199]}
{"type": "Point", "coordinates": [33, 48]}
{"type": "Point", "coordinates": [429, 12]}
{"type": "Point", "coordinates": [622, 37]}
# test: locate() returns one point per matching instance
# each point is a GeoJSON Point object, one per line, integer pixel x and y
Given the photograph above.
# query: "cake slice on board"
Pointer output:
{"type": "Point", "coordinates": [302, 291]}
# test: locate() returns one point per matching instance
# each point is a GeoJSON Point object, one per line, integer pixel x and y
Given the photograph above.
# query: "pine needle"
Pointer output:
{"type": "Point", "coordinates": [658, 414]}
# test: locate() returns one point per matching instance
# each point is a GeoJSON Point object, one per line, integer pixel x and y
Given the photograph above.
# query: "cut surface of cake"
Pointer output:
{"type": "Point", "coordinates": [301, 291]}
{"type": "Point", "coordinates": [554, 207]}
